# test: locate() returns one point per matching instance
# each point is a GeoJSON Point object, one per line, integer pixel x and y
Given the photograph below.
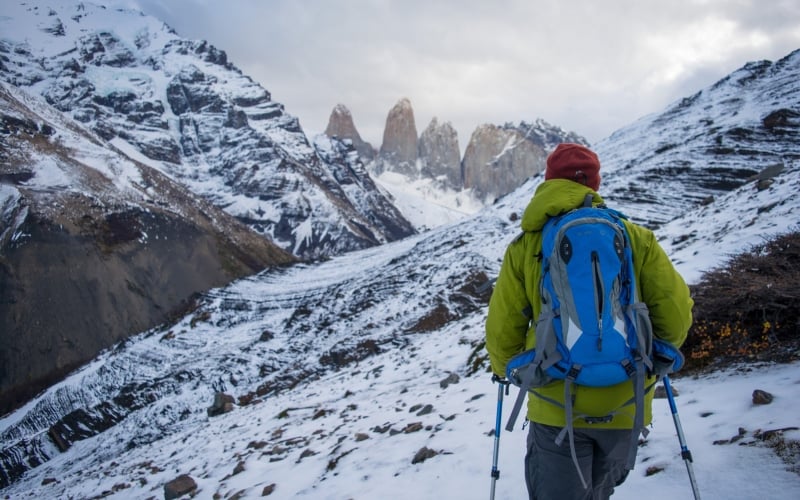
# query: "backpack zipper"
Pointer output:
{"type": "Point", "coordinates": [598, 293]}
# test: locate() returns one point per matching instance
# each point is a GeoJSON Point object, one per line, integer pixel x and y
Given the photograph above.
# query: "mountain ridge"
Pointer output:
{"type": "Point", "coordinates": [186, 107]}
{"type": "Point", "coordinates": [396, 320]}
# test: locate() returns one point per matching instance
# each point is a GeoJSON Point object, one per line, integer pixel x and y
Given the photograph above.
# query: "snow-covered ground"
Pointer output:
{"type": "Point", "coordinates": [425, 205]}
{"type": "Point", "coordinates": [354, 432]}
{"type": "Point", "coordinates": [334, 439]}
{"type": "Point", "coordinates": [328, 429]}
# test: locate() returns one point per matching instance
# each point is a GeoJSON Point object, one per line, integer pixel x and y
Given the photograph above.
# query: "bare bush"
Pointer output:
{"type": "Point", "coordinates": [749, 308]}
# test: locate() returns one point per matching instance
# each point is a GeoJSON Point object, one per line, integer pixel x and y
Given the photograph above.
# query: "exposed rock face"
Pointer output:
{"type": "Point", "coordinates": [439, 154]}
{"type": "Point", "coordinates": [191, 113]}
{"type": "Point", "coordinates": [399, 149]}
{"type": "Point", "coordinates": [497, 160]}
{"type": "Point", "coordinates": [341, 126]}
{"type": "Point", "coordinates": [95, 247]}
{"type": "Point", "coordinates": [347, 168]}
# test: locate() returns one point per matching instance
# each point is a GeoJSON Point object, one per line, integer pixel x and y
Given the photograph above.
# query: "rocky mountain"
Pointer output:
{"type": "Point", "coordinates": [318, 369]}
{"type": "Point", "coordinates": [399, 151]}
{"type": "Point", "coordinates": [744, 127]}
{"type": "Point", "coordinates": [440, 155]}
{"type": "Point", "coordinates": [496, 161]}
{"type": "Point", "coordinates": [499, 158]}
{"type": "Point", "coordinates": [189, 112]}
{"type": "Point", "coordinates": [99, 185]}
{"type": "Point", "coordinates": [341, 126]}
{"type": "Point", "coordinates": [347, 168]}
{"type": "Point", "coordinates": [96, 246]}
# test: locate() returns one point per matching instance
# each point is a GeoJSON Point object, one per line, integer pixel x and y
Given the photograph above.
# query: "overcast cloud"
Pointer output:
{"type": "Point", "coordinates": [588, 66]}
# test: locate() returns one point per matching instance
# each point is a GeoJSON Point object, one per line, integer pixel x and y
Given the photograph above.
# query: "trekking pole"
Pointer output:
{"type": "Point", "coordinates": [503, 386]}
{"type": "Point", "coordinates": [685, 453]}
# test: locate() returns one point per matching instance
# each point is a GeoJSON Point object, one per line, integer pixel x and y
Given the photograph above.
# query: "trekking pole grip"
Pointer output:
{"type": "Point", "coordinates": [502, 381]}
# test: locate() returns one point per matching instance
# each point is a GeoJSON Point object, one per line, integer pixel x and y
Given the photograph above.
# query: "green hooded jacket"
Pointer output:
{"type": "Point", "coordinates": [516, 303]}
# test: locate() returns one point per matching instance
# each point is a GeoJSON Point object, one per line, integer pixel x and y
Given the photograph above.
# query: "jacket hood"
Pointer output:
{"type": "Point", "coordinates": [552, 198]}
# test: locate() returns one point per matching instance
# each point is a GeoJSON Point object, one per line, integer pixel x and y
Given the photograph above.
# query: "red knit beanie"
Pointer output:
{"type": "Point", "coordinates": [575, 163]}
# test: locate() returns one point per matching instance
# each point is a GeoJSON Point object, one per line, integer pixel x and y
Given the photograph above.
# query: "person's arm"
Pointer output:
{"type": "Point", "coordinates": [508, 319]}
{"type": "Point", "coordinates": [663, 289]}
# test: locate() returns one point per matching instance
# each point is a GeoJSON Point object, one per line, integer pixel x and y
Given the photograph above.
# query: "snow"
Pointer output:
{"type": "Point", "coordinates": [352, 431]}
{"type": "Point", "coordinates": [425, 205]}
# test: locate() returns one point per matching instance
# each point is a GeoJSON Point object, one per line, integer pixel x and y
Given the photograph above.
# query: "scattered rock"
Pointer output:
{"type": "Point", "coordinates": [332, 464]}
{"type": "Point", "coordinates": [307, 453]}
{"type": "Point", "coordinates": [223, 403]}
{"type": "Point", "coordinates": [761, 397]}
{"type": "Point", "coordinates": [181, 485]}
{"type": "Point", "coordinates": [268, 490]}
{"type": "Point", "coordinates": [423, 454]}
{"type": "Point", "coordinates": [382, 429]}
{"type": "Point", "coordinates": [661, 393]}
{"type": "Point", "coordinates": [653, 469]}
{"type": "Point", "coordinates": [49, 480]}
{"type": "Point", "coordinates": [426, 410]}
{"type": "Point", "coordinates": [239, 468]}
{"type": "Point", "coordinates": [451, 379]}
{"type": "Point", "coordinates": [256, 445]}
{"type": "Point", "coordinates": [360, 436]}
{"type": "Point", "coordinates": [413, 427]}
{"type": "Point", "coordinates": [773, 433]}
{"type": "Point", "coordinates": [737, 437]}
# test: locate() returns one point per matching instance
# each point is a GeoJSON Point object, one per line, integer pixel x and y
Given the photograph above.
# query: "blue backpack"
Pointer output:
{"type": "Point", "coordinates": [592, 329]}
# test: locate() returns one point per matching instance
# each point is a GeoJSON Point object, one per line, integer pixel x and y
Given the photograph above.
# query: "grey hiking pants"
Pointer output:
{"type": "Point", "coordinates": [550, 471]}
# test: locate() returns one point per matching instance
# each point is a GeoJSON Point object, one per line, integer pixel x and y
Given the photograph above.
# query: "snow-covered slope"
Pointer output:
{"type": "Point", "coordinates": [191, 113]}
{"type": "Point", "coordinates": [334, 365]}
{"type": "Point", "coordinates": [96, 246]}
{"type": "Point", "coordinates": [365, 376]}
{"type": "Point", "coordinates": [704, 145]}
{"type": "Point", "coordinates": [362, 376]}
{"type": "Point", "coordinates": [426, 203]}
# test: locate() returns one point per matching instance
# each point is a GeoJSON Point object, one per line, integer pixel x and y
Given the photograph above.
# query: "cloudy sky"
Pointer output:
{"type": "Point", "coordinates": [588, 66]}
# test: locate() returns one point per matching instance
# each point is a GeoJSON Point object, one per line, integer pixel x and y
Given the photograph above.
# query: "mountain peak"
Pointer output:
{"type": "Point", "coordinates": [342, 126]}
{"type": "Point", "coordinates": [399, 147]}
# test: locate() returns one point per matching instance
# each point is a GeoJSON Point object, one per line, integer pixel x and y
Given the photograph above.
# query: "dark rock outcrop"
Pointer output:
{"type": "Point", "coordinates": [88, 258]}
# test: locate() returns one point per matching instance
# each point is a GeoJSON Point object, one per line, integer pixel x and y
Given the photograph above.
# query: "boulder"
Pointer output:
{"type": "Point", "coordinates": [223, 403]}
{"type": "Point", "coordinates": [181, 485]}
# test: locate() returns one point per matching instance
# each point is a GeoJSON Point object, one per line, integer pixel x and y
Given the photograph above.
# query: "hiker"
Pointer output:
{"type": "Point", "coordinates": [602, 432]}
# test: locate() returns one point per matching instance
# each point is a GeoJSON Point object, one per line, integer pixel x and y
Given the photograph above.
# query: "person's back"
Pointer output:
{"type": "Point", "coordinates": [603, 432]}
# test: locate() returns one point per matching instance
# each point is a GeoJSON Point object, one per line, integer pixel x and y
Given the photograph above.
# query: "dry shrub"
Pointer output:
{"type": "Point", "coordinates": [749, 308]}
